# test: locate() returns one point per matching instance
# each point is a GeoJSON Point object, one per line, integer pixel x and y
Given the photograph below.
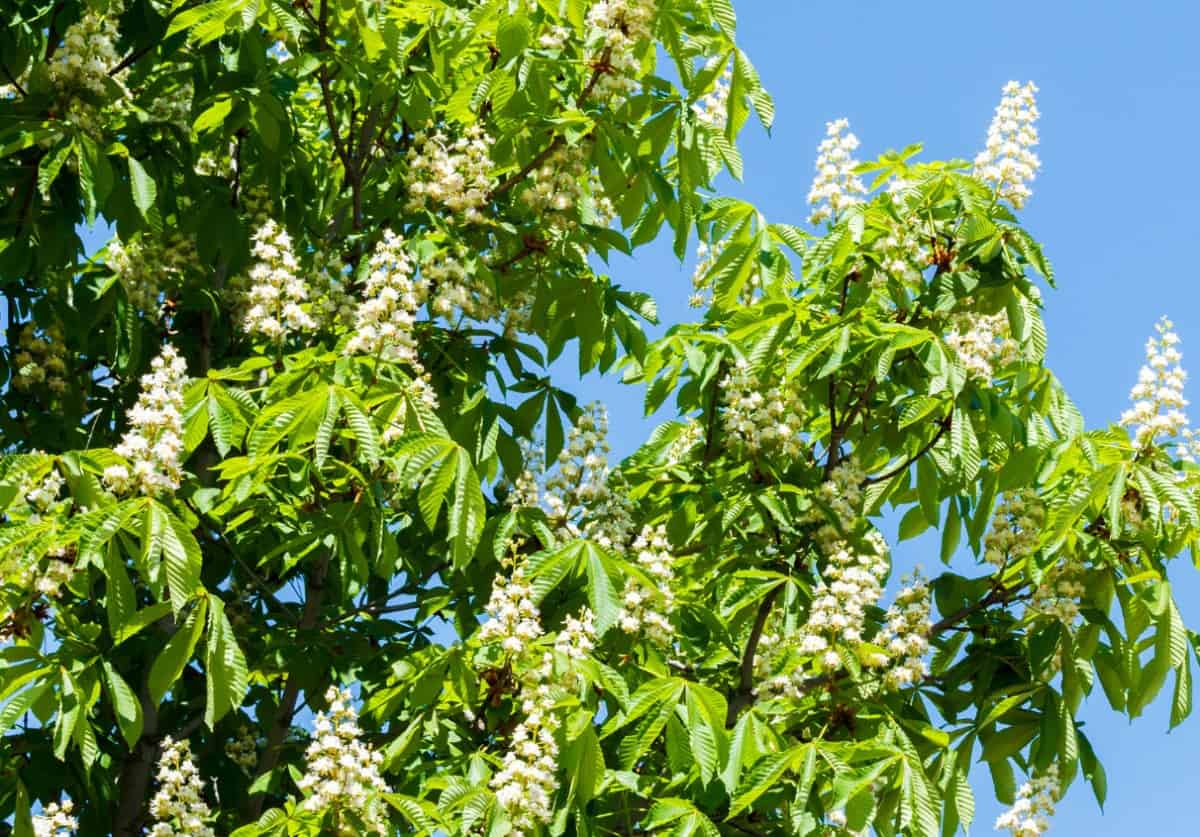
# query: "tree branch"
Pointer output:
{"type": "Point", "coordinates": [12, 79]}
{"type": "Point", "coordinates": [744, 695]}
{"type": "Point", "coordinates": [944, 425]}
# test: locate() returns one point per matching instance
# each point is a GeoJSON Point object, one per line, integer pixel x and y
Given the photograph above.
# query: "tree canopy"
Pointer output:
{"type": "Point", "coordinates": [302, 537]}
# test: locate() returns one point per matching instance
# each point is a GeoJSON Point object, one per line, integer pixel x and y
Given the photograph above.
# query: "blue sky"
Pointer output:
{"type": "Point", "coordinates": [1120, 89]}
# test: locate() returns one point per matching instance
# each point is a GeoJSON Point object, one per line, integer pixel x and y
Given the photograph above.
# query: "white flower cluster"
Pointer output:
{"type": "Point", "coordinates": [1157, 397]}
{"type": "Point", "coordinates": [1016, 527]}
{"type": "Point", "coordinates": [243, 750]}
{"type": "Point", "coordinates": [277, 292]}
{"type": "Point", "coordinates": [155, 438]}
{"type": "Point", "coordinates": [87, 53]}
{"type": "Point", "coordinates": [555, 37]}
{"type": "Point", "coordinates": [178, 808]}
{"type": "Point", "coordinates": [1030, 814]}
{"type": "Point", "coordinates": [577, 638]}
{"type": "Point", "coordinates": [40, 359]}
{"type": "Point", "coordinates": [174, 107]}
{"type": "Point", "coordinates": [341, 772]}
{"type": "Point", "coordinates": [452, 287]}
{"type": "Point", "coordinates": [905, 635]}
{"type": "Point", "coordinates": [762, 416]}
{"type": "Point", "coordinates": [706, 257]}
{"type": "Point", "coordinates": [1057, 595]}
{"type": "Point", "coordinates": [384, 319]}
{"type": "Point", "coordinates": [852, 582]}
{"type": "Point", "coordinates": [842, 495]}
{"type": "Point", "coordinates": [42, 497]}
{"type": "Point", "coordinates": [515, 621]}
{"type": "Point", "coordinates": [147, 266]}
{"type": "Point", "coordinates": [526, 783]}
{"type": "Point", "coordinates": [648, 611]}
{"type": "Point", "coordinates": [1008, 161]}
{"type": "Point", "coordinates": [690, 437]}
{"type": "Point", "coordinates": [618, 27]}
{"type": "Point", "coordinates": [56, 820]}
{"type": "Point", "coordinates": [452, 174]}
{"type": "Point", "coordinates": [712, 109]}
{"type": "Point", "coordinates": [57, 573]}
{"type": "Point", "coordinates": [331, 305]}
{"type": "Point", "coordinates": [835, 187]}
{"type": "Point", "coordinates": [981, 342]}
{"type": "Point", "coordinates": [557, 186]}
{"type": "Point", "coordinates": [902, 253]}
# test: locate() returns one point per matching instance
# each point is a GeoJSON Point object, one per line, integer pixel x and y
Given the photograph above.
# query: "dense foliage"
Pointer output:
{"type": "Point", "coordinates": [301, 536]}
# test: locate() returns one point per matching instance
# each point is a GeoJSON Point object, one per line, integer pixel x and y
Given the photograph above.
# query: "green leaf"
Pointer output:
{"type": "Point", "coordinates": [142, 185]}
{"type": "Point", "coordinates": [512, 35]}
{"type": "Point", "coordinates": [181, 556]}
{"type": "Point", "coordinates": [214, 115]}
{"type": "Point", "coordinates": [170, 662]}
{"type": "Point", "coordinates": [228, 676]}
{"type": "Point", "coordinates": [128, 708]}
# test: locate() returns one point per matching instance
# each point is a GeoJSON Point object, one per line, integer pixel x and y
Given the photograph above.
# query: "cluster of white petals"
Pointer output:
{"type": "Point", "coordinates": [154, 441]}
{"type": "Point", "coordinates": [1008, 161]}
{"type": "Point", "coordinates": [1016, 527]}
{"type": "Point", "coordinates": [842, 495]}
{"type": "Point", "coordinates": [56, 820]}
{"type": "Point", "coordinates": [1059, 591]}
{"type": "Point", "coordinates": [981, 342]}
{"type": "Point", "coordinates": [1158, 402]}
{"type": "Point", "coordinates": [706, 258]}
{"type": "Point", "coordinates": [49, 580]}
{"type": "Point", "coordinates": [87, 53]}
{"type": "Point", "coordinates": [277, 292]}
{"type": "Point", "coordinates": [41, 358]}
{"type": "Point", "coordinates": [555, 37]}
{"type": "Point", "coordinates": [42, 497]}
{"type": "Point", "coordinates": [178, 808]}
{"type": "Point", "coordinates": [515, 621]}
{"type": "Point", "coordinates": [147, 266]}
{"type": "Point", "coordinates": [385, 317]}
{"type": "Point", "coordinates": [690, 437]}
{"type": "Point", "coordinates": [332, 306]}
{"type": "Point", "coordinates": [527, 781]}
{"type": "Point", "coordinates": [852, 582]}
{"type": "Point", "coordinates": [452, 287]}
{"type": "Point", "coordinates": [712, 109]}
{"type": "Point", "coordinates": [577, 638]}
{"type": "Point", "coordinates": [905, 635]}
{"type": "Point", "coordinates": [614, 29]}
{"type": "Point", "coordinates": [454, 175]}
{"type": "Point", "coordinates": [243, 750]}
{"type": "Point", "coordinates": [836, 186]}
{"type": "Point", "coordinates": [762, 416]}
{"type": "Point", "coordinates": [902, 253]}
{"type": "Point", "coordinates": [558, 187]}
{"type": "Point", "coordinates": [341, 772]}
{"type": "Point", "coordinates": [1030, 814]}
{"type": "Point", "coordinates": [648, 611]}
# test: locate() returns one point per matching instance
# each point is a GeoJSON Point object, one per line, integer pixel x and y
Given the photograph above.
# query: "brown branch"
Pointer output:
{"type": "Point", "coordinates": [12, 79]}
{"type": "Point", "coordinates": [52, 35]}
{"type": "Point", "coordinates": [314, 593]}
{"type": "Point", "coordinates": [943, 426]}
{"type": "Point", "coordinates": [744, 696]}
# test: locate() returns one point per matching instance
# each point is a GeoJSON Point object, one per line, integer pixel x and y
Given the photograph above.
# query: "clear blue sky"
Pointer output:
{"type": "Point", "coordinates": [1120, 102]}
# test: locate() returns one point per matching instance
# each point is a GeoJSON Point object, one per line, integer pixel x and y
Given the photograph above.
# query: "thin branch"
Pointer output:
{"type": "Point", "coordinates": [12, 79]}
{"type": "Point", "coordinates": [944, 425]}
{"type": "Point", "coordinates": [744, 695]}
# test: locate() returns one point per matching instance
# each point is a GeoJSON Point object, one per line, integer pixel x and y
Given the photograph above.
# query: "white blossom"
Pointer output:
{"type": "Point", "coordinates": [56, 820]}
{"type": "Point", "coordinates": [905, 635]}
{"type": "Point", "coordinates": [154, 442]}
{"type": "Point", "coordinates": [385, 317]}
{"type": "Point", "coordinates": [762, 416]}
{"type": "Point", "coordinates": [278, 293]}
{"type": "Point", "coordinates": [454, 175]}
{"type": "Point", "coordinates": [615, 29]}
{"type": "Point", "coordinates": [577, 638]}
{"type": "Point", "coordinates": [243, 750]}
{"type": "Point", "coordinates": [454, 287]}
{"type": "Point", "coordinates": [835, 186]}
{"type": "Point", "coordinates": [1058, 594]}
{"type": "Point", "coordinates": [527, 781]}
{"type": "Point", "coordinates": [148, 266]}
{"type": "Point", "coordinates": [1158, 402]}
{"type": "Point", "coordinates": [178, 808]}
{"type": "Point", "coordinates": [981, 343]}
{"type": "Point", "coordinates": [1016, 528]}
{"type": "Point", "coordinates": [515, 621]}
{"type": "Point", "coordinates": [1008, 161]}
{"type": "Point", "coordinates": [558, 189]}
{"type": "Point", "coordinates": [341, 772]}
{"type": "Point", "coordinates": [1030, 814]}
{"type": "Point", "coordinates": [712, 109]}
{"type": "Point", "coordinates": [852, 582]}
{"type": "Point", "coordinates": [648, 611]}
{"type": "Point", "coordinates": [88, 51]}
